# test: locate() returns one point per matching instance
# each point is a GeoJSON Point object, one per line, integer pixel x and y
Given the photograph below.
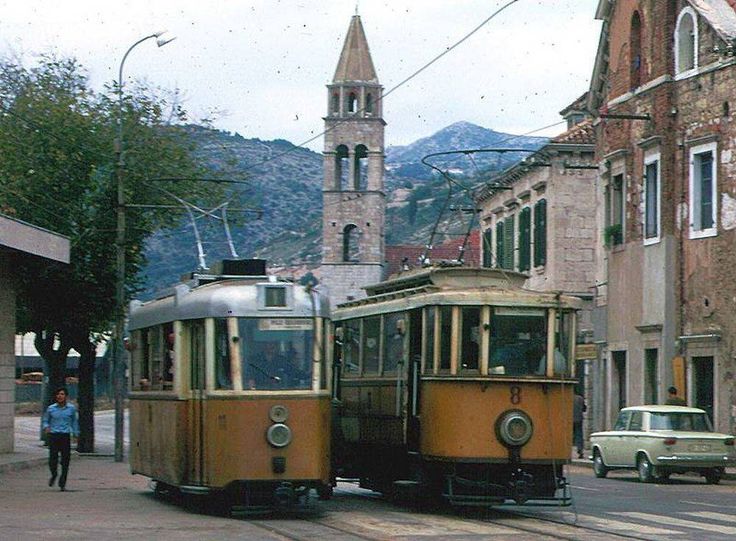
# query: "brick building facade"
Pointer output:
{"type": "Point", "coordinates": [663, 88]}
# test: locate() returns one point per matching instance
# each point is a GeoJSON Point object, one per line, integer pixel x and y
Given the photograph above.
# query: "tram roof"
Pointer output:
{"type": "Point", "coordinates": [227, 296]}
{"type": "Point", "coordinates": [453, 285]}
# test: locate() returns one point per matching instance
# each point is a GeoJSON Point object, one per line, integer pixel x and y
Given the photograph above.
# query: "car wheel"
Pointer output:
{"type": "Point", "coordinates": [599, 467]}
{"type": "Point", "coordinates": [713, 477]}
{"type": "Point", "coordinates": [645, 469]}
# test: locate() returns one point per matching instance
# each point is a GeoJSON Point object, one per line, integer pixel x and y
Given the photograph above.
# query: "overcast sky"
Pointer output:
{"type": "Point", "coordinates": [260, 66]}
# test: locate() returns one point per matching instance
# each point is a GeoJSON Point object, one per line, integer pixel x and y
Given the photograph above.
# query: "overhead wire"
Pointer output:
{"type": "Point", "coordinates": [395, 87]}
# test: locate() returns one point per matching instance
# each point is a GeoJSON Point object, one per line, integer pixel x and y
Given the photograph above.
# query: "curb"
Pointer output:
{"type": "Point", "coordinates": [23, 464]}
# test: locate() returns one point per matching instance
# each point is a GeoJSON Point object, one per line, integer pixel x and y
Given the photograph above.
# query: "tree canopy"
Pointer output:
{"type": "Point", "coordinates": [57, 171]}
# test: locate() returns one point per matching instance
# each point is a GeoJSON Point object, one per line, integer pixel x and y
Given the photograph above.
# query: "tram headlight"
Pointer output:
{"type": "Point", "coordinates": [278, 435]}
{"type": "Point", "coordinates": [278, 413]}
{"type": "Point", "coordinates": [514, 428]}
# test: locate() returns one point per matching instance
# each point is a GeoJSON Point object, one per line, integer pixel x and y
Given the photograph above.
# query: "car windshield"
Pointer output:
{"type": "Point", "coordinates": [687, 422]}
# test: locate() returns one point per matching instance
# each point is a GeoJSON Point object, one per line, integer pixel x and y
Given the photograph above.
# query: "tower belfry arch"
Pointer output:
{"type": "Point", "coordinates": [354, 202]}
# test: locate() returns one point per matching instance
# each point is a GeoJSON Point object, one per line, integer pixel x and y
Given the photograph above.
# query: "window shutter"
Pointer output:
{"type": "Point", "coordinates": [508, 243]}
{"type": "Point", "coordinates": [499, 244]}
{"type": "Point", "coordinates": [525, 231]}
{"type": "Point", "coordinates": [487, 248]}
{"type": "Point", "coordinates": [540, 233]}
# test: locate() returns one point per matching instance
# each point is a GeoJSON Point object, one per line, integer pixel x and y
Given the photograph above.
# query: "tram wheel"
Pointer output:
{"type": "Point", "coordinates": [324, 492]}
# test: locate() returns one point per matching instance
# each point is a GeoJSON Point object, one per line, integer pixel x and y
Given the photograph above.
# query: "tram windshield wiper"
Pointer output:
{"type": "Point", "coordinates": [262, 371]}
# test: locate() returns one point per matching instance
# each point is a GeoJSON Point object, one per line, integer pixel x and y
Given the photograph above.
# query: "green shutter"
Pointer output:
{"type": "Point", "coordinates": [508, 243]}
{"type": "Point", "coordinates": [540, 233]}
{"type": "Point", "coordinates": [499, 244]}
{"type": "Point", "coordinates": [525, 241]}
{"type": "Point", "coordinates": [487, 248]}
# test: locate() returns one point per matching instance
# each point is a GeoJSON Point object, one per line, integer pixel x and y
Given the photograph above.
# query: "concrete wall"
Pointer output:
{"type": "Point", "coordinates": [7, 353]}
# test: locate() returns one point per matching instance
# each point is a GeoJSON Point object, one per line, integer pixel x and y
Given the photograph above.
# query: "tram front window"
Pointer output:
{"type": "Point", "coordinates": [518, 342]}
{"type": "Point", "coordinates": [265, 353]}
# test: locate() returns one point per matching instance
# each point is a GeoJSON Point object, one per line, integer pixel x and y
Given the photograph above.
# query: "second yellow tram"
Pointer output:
{"type": "Point", "coordinates": [456, 383]}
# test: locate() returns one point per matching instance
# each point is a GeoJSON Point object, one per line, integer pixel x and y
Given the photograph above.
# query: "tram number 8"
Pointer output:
{"type": "Point", "coordinates": [515, 394]}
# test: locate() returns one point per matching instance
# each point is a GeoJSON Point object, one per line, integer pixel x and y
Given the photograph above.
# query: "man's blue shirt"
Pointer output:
{"type": "Point", "coordinates": [61, 420]}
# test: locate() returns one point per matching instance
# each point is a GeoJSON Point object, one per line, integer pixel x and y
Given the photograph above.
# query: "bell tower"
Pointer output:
{"type": "Point", "coordinates": [354, 203]}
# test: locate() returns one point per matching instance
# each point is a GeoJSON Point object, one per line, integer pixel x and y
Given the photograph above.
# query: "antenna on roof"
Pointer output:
{"type": "Point", "coordinates": [357, 2]}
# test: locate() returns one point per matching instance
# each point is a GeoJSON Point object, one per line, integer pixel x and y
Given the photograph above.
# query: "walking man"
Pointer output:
{"type": "Point", "coordinates": [673, 399]}
{"type": "Point", "coordinates": [61, 424]}
{"type": "Point", "coordinates": [578, 407]}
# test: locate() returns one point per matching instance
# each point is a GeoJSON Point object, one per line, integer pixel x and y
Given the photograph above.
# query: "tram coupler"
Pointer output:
{"type": "Point", "coordinates": [285, 494]}
{"type": "Point", "coordinates": [519, 486]}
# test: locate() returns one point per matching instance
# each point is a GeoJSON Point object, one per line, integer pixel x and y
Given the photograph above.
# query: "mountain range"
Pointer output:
{"type": "Point", "coordinates": [281, 197]}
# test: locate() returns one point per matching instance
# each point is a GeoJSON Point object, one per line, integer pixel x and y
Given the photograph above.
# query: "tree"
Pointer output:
{"type": "Point", "coordinates": [57, 171]}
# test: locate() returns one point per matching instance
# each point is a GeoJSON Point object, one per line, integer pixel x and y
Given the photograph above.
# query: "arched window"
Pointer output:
{"type": "Point", "coordinates": [335, 109]}
{"type": "Point", "coordinates": [342, 169]}
{"type": "Point", "coordinates": [361, 168]}
{"type": "Point", "coordinates": [352, 103]}
{"type": "Point", "coordinates": [635, 51]}
{"type": "Point", "coordinates": [686, 42]}
{"type": "Point", "coordinates": [350, 247]}
{"type": "Point", "coordinates": [369, 103]}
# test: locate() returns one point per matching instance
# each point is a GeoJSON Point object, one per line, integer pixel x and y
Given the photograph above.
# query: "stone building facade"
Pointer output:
{"type": "Point", "coordinates": [539, 217]}
{"type": "Point", "coordinates": [354, 202]}
{"type": "Point", "coordinates": [18, 241]}
{"type": "Point", "coordinates": [663, 90]}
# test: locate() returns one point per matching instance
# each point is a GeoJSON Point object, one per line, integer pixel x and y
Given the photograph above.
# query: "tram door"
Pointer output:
{"type": "Point", "coordinates": [196, 403]}
{"type": "Point", "coordinates": [413, 375]}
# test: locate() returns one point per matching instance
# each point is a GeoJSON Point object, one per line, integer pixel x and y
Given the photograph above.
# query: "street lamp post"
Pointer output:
{"type": "Point", "coordinates": [118, 371]}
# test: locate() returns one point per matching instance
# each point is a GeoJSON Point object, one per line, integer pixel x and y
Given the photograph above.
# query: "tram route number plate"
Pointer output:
{"type": "Point", "coordinates": [284, 324]}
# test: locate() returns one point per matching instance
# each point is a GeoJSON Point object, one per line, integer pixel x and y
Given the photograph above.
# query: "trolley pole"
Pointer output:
{"type": "Point", "coordinates": [118, 357]}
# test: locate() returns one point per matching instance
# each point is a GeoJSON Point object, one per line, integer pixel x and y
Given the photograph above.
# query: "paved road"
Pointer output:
{"type": "Point", "coordinates": [106, 502]}
{"type": "Point", "coordinates": [682, 508]}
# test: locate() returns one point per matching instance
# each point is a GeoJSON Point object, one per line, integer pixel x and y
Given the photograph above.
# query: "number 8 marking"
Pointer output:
{"type": "Point", "coordinates": [515, 394]}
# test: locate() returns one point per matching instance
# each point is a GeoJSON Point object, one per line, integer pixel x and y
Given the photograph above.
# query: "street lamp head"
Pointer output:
{"type": "Point", "coordinates": [163, 41]}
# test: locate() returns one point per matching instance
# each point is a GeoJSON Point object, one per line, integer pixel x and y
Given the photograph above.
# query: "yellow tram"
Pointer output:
{"type": "Point", "coordinates": [457, 383]}
{"type": "Point", "coordinates": [229, 387]}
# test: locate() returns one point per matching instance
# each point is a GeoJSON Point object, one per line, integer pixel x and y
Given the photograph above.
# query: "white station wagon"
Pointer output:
{"type": "Point", "coordinates": [662, 440]}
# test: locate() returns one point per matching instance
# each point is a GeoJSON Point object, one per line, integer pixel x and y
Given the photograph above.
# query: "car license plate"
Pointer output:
{"type": "Point", "coordinates": [699, 447]}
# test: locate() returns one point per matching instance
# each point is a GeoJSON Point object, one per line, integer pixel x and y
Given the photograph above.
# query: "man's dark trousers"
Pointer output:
{"type": "Point", "coordinates": [59, 444]}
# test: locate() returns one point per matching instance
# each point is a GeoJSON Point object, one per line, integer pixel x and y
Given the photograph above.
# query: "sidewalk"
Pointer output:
{"type": "Point", "coordinates": [30, 450]}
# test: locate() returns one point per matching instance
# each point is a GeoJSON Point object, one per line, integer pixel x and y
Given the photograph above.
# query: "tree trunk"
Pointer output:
{"type": "Point", "coordinates": [86, 398]}
{"type": "Point", "coordinates": [54, 363]}
{"type": "Point", "coordinates": [54, 366]}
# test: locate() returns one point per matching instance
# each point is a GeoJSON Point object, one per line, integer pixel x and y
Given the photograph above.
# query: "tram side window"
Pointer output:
{"type": "Point", "coordinates": [371, 344]}
{"type": "Point", "coordinates": [167, 377]}
{"type": "Point", "coordinates": [141, 373]}
{"type": "Point", "coordinates": [445, 337]}
{"type": "Point", "coordinates": [470, 344]}
{"type": "Point", "coordinates": [393, 341]}
{"type": "Point", "coordinates": [518, 342]}
{"type": "Point", "coordinates": [563, 343]}
{"type": "Point", "coordinates": [351, 346]}
{"type": "Point", "coordinates": [197, 353]}
{"type": "Point", "coordinates": [223, 377]}
{"type": "Point", "coordinates": [153, 359]}
{"type": "Point", "coordinates": [429, 339]}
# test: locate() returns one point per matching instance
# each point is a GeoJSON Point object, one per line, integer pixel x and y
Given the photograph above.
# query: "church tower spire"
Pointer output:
{"type": "Point", "coordinates": [354, 203]}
